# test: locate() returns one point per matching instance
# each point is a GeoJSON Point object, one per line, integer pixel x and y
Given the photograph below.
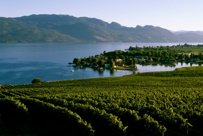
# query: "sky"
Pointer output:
{"type": "Point", "coordinates": [174, 15]}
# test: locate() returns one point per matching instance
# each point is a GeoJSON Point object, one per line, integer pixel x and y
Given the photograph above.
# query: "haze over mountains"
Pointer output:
{"type": "Point", "coordinates": [64, 28]}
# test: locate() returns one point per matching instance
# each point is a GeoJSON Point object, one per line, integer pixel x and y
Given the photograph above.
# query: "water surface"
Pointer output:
{"type": "Point", "coordinates": [20, 63]}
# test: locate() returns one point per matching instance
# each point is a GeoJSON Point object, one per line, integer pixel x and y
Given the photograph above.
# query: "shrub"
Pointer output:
{"type": "Point", "coordinates": [36, 81]}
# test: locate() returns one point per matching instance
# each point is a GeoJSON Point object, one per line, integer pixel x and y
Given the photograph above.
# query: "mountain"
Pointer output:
{"type": "Point", "coordinates": [190, 36]}
{"type": "Point", "coordinates": [14, 30]}
{"type": "Point", "coordinates": [70, 29]}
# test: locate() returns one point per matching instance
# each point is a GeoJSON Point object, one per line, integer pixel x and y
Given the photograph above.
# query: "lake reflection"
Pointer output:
{"type": "Point", "coordinates": [156, 68]}
{"type": "Point", "coordinates": [20, 63]}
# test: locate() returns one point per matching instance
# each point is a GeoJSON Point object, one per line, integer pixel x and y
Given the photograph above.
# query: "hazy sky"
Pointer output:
{"type": "Point", "coordinates": [170, 14]}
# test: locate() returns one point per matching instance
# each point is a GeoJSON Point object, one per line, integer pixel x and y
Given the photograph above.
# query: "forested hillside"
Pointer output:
{"type": "Point", "coordinates": [64, 28]}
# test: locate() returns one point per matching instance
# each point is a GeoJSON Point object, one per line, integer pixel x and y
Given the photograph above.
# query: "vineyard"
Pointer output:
{"type": "Point", "coordinates": [150, 104]}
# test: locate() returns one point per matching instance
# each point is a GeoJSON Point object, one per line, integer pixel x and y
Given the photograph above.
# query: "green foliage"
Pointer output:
{"type": "Point", "coordinates": [13, 115]}
{"type": "Point", "coordinates": [48, 119]}
{"type": "Point", "coordinates": [36, 81]}
{"type": "Point", "coordinates": [127, 60]}
{"type": "Point", "coordinates": [104, 123]}
{"type": "Point", "coordinates": [77, 61]}
{"type": "Point", "coordinates": [159, 104]}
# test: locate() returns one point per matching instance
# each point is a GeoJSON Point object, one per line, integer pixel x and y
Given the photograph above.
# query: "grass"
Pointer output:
{"type": "Point", "coordinates": [191, 77]}
{"type": "Point", "coordinates": [171, 100]}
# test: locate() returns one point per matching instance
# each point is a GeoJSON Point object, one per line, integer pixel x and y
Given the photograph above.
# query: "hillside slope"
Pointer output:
{"type": "Point", "coordinates": [163, 104]}
{"type": "Point", "coordinates": [65, 28]}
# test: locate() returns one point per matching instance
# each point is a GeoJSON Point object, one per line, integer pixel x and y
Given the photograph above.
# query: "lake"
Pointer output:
{"type": "Point", "coordinates": [20, 63]}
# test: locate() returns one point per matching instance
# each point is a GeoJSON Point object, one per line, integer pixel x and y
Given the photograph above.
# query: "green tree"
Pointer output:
{"type": "Point", "coordinates": [112, 64]}
{"type": "Point", "coordinates": [77, 61]}
{"type": "Point", "coordinates": [101, 63]}
{"type": "Point", "coordinates": [36, 81]}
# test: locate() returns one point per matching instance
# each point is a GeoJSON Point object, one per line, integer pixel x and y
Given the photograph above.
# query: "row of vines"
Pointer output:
{"type": "Point", "coordinates": [138, 106]}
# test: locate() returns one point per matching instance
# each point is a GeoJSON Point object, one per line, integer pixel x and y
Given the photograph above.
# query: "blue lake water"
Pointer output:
{"type": "Point", "coordinates": [20, 63]}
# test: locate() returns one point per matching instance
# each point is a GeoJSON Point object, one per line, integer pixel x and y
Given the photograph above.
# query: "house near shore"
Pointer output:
{"type": "Point", "coordinates": [119, 62]}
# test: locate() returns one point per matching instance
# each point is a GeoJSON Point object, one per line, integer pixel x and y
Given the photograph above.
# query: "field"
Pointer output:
{"type": "Point", "coordinates": [143, 104]}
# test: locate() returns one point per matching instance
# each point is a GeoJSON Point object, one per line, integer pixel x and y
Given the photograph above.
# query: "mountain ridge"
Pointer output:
{"type": "Point", "coordinates": [70, 29]}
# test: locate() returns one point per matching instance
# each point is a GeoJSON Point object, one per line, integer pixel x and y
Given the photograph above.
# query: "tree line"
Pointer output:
{"type": "Point", "coordinates": [162, 55]}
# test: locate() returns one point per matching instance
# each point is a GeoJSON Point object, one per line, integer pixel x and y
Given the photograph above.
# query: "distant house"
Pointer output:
{"type": "Point", "coordinates": [119, 62]}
